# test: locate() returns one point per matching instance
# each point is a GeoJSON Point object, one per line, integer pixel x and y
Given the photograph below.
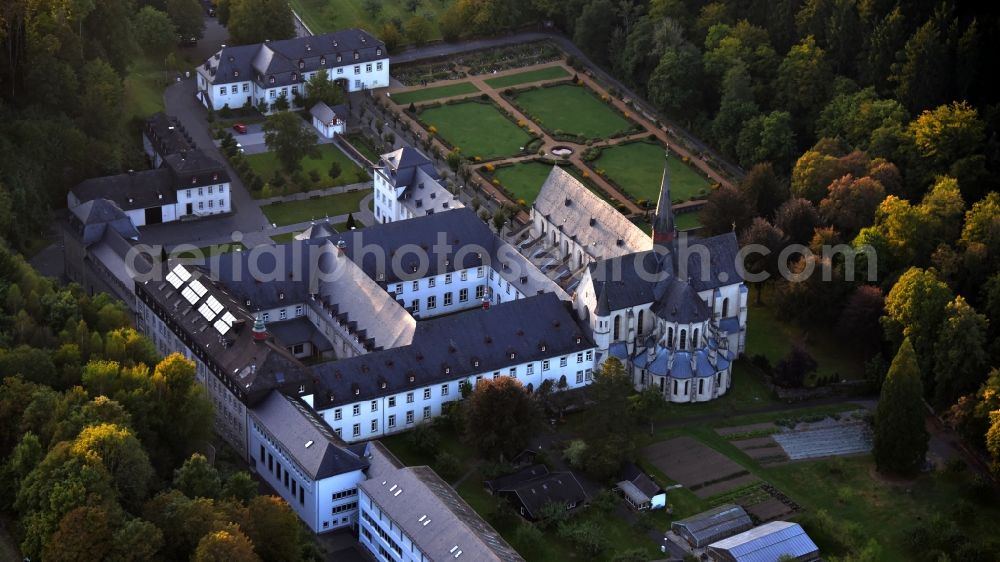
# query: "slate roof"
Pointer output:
{"type": "Point", "coordinates": [153, 188]}
{"type": "Point", "coordinates": [327, 114]}
{"type": "Point", "coordinates": [712, 525]}
{"type": "Point", "coordinates": [767, 543]}
{"type": "Point", "coordinates": [134, 190]}
{"type": "Point", "coordinates": [555, 487]}
{"type": "Point", "coordinates": [586, 218]}
{"type": "Point", "coordinates": [92, 218]}
{"type": "Point", "coordinates": [166, 134]}
{"type": "Point", "coordinates": [508, 481]}
{"type": "Point", "coordinates": [299, 330]}
{"type": "Point", "coordinates": [280, 59]}
{"type": "Point", "coordinates": [315, 231]}
{"type": "Point", "coordinates": [435, 518]}
{"type": "Point", "coordinates": [449, 348]}
{"type": "Point", "coordinates": [401, 166]}
{"type": "Point", "coordinates": [640, 480]}
{"type": "Point", "coordinates": [648, 277]}
{"type": "Point", "coordinates": [251, 369]}
{"type": "Point", "coordinates": [306, 439]}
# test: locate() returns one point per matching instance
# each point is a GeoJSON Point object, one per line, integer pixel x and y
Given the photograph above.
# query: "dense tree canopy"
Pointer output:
{"type": "Point", "coordinates": [500, 417]}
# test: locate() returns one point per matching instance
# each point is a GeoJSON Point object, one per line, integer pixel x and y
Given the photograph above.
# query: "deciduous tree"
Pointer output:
{"type": "Point", "coordinates": [188, 17]}
{"type": "Point", "coordinates": [254, 21]}
{"type": "Point", "coordinates": [763, 189]}
{"type": "Point", "coordinates": [289, 140]}
{"type": "Point", "coordinates": [851, 203]}
{"type": "Point", "coordinates": [155, 31]}
{"type": "Point", "coordinates": [500, 417]}
{"type": "Point", "coordinates": [726, 210]}
{"type": "Point", "coordinates": [228, 544]}
{"type": "Point", "coordinates": [797, 218]}
{"type": "Point", "coordinates": [197, 478]}
{"type": "Point", "coordinates": [915, 310]}
{"type": "Point", "coordinates": [960, 358]}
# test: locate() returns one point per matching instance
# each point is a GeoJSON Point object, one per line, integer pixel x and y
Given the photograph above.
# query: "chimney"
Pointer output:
{"type": "Point", "coordinates": [259, 329]}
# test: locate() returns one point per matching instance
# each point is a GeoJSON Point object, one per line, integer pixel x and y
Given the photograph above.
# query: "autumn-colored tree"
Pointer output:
{"type": "Point", "coordinates": [228, 544]}
{"type": "Point", "coordinates": [798, 219]}
{"type": "Point", "coordinates": [725, 210]}
{"type": "Point", "coordinates": [763, 190]}
{"type": "Point", "coordinates": [851, 203]}
{"type": "Point", "coordinates": [500, 417]}
{"type": "Point", "coordinates": [275, 529]}
{"type": "Point", "coordinates": [915, 310]}
{"type": "Point", "coordinates": [900, 433]}
{"type": "Point", "coordinates": [85, 533]}
{"type": "Point", "coordinates": [117, 450]}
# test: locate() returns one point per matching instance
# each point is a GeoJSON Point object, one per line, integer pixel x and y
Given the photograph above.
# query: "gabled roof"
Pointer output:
{"type": "Point", "coordinates": [556, 487]}
{"type": "Point", "coordinates": [640, 479]}
{"type": "Point", "coordinates": [456, 346]}
{"type": "Point", "coordinates": [166, 134]}
{"type": "Point", "coordinates": [767, 543]}
{"type": "Point", "coordinates": [315, 231]}
{"type": "Point", "coordinates": [92, 218]}
{"type": "Point", "coordinates": [509, 481]}
{"type": "Point", "coordinates": [327, 114]}
{"type": "Point", "coordinates": [130, 191]}
{"type": "Point", "coordinates": [308, 441]}
{"type": "Point", "coordinates": [586, 218]}
{"type": "Point", "coordinates": [401, 166]}
{"type": "Point", "coordinates": [439, 522]}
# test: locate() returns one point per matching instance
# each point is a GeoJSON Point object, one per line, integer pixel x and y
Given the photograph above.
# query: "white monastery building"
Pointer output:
{"type": "Point", "coordinates": [407, 186]}
{"type": "Point", "coordinates": [262, 73]}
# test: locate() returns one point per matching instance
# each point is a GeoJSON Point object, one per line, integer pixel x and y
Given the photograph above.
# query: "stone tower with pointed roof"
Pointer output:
{"type": "Point", "coordinates": [663, 224]}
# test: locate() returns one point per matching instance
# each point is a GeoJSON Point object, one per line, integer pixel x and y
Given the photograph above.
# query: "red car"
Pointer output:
{"type": "Point", "coordinates": [240, 128]}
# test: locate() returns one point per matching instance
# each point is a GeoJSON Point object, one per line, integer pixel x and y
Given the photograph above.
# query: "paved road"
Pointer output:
{"type": "Point", "coordinates": [446, 49]}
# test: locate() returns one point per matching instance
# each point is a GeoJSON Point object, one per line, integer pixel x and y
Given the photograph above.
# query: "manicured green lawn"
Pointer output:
{"type": "Point", "coordinates": [323, 16]}
{"type": "Point", "coordinates": [426, 94]}
{"type": "Point", "coordinates": [479, 129]}
{"type": "Point", "coordinates": [547, 73]}
{"type": "Point", "coordinates": [572, 109]}
{"type": "Point", "coordinates": [524, 179]}
{"type": "Point", "coordinates": [266, 164]}
{"type": "Point", "coordinates": [686, 221]}
{"type": "Point", "coordinates": [637, 167]}
{"type": "Point", "coordinates": [773, 338]}
{"type": "Point", "coordinates": [283, 238]}
{"type": "Point", "coordinates": [208, 251]}
{"type": "Point", "coordinates": [363, 145]}
{"type": "Point", "coordinates": [291, 212]}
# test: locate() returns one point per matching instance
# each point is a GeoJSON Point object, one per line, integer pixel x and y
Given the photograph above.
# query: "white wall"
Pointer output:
{"type": "Point", "coordinates": [376, 529]}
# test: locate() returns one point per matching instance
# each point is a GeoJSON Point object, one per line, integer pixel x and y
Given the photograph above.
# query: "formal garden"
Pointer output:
{"type": "Point", "coordinates": [315, 172]}
{"type": "Point", "coordinates": [528, 76]}
{"type": "Point", "coordinates": [437, 92]}
{"type": "Point", "coordinates": [479, 129]}
{"type": "Point", "coordinates": [523, 180]}
{"type": "Point", "coordinates": [571, 112]}
{"type": "Point", "coordinates": [637, 169]}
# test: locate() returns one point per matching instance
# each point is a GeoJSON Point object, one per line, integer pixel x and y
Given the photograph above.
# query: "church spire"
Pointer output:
{"type": "Point", "coordinates": [663, 223]}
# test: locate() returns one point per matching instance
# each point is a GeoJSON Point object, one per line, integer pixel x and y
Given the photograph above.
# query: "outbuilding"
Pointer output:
{"type": "Point", "coordinates": [329, 121]}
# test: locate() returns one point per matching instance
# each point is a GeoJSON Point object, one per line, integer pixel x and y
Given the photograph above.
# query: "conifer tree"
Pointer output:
{"type": "Point", "coordinates": [900, 435]}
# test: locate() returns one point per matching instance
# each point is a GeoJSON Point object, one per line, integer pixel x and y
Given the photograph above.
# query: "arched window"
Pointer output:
{"type": "Point", "coordinates": [683, 339]}
{"type": "Point", "coordinates": [694, 340]}
{"type": "Point", "coordinates": [670, 337]}
{"type": "Point", "coordinates": [725, 307]}
{"type": "Point", "coordinates": [618, 328]}
{"type": "Point", "coordinates": [638, 325]}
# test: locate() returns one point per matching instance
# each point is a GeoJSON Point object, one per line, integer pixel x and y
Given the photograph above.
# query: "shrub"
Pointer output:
{"type": "Point", "coordinates": [490, 168]}
{"type": "Point", "coordinates": [256, 183]}
{"type": "Point", "coordinates": [447, 465]}
{"type": "Point", "coordinates": [314, 176]}
{"type": "Point", "coordinates": [278, 180]}
{"type": "Point", "coordinates": [484, 96]}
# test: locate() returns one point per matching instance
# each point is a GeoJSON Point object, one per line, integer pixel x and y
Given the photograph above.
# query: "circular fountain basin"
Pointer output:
{"type": "Point", "coordinates": [562, 151]}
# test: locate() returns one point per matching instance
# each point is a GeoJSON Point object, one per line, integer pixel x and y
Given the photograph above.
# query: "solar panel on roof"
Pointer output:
{"type": "Point", "coordinates": [174, 280]}
{"type": "Point", "coordinates": [214, 304]}
{"type": "Point", "coordinates": [229, 318]}
{"type": "Point", "coordinates": [189, 295]}
{"type": "Point", "coordinates": [198, 287]}
{"type": "Point", "coordinates": [181, 273]}
{"type": "Point", "coordinates": [207, 312]}
{"type": "Point", "coordinates": [221, 326]}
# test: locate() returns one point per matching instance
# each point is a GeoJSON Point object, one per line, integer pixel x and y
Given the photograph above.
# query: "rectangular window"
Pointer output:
{"type": "Point", "coordinates": [298, 310]}
{"type": "Point", "coordinates": [512, 372]}
{"type": "Point", "coordinates": [211, 204]}
{"type": "Point", "coordinates": [302, 496]}
{"type": "Point", "coordinates": [210, 189]}
{"type": "Point", "coordinates": [444, 390]}
{"type": "Point", "coordinates": [563, 361]}
{"type": "Point", "coordinates": [588, 375]}
{"type": "Point", "coordinates": [262, 453]}
{"type": "Point", "coordinates": [270, 463]}
{"type": "Point", "coordinates": [427, 412]}
{"type": "Point", "coordinates": [374, 405]}
{"type": "Point", "coordinates": [234, 89]}
{"type": "Point", "coordinates": [392, 420]}
{"type": "Point", "coordinates": [447, 299]}
{"type": "Point", "coordinates": [222, 91]}
{"type": "Point", "coordinates": [409, 417]}
{"type": "Point", "coordinates": [415, 305]}
{"type": "Point", "coordinates": [368, 67]}
{"type": "Point", "coordinates": [201, 191]}
{"type": "Point", "coordinates": [579, 377]}
{"type": "Point", "coordinates": [463, 295]}
{"type": "Point", "coordinates": [295, 489]}
{"type": "Point", "coordinates": [432, 282]}
{"type": "Point", "coordinates": [545, 365]}
{"type": "Point", "coordinates": [221, 204]}
{"type": "Point", "coordinates": [431, 302]}
{"type": "Point", "coordinates": [447, 278]}
{"type": "Point", "coordinates": [340, 70]}
{"type": "Point", "coordinates": [282, 314]}
{"type": "Point", "coordinates": [392, 401]}
{"type": "Point", "coordinates": [465, 275]}
{"type": "Point", "coordinates": [416, 285]}
{"type": "Point", "coordinates": [357, 429]}
{"type": "Point", "coordinates": [590, 355]}
{"type": "Point", "coordinates": [246, 88]}
{"type": "Point", "coordinates": [357, 409]}
{"type": "Point", "coordinates": [480, 291]}
{"type": "Point", "coordinates": [579, 358]}
{"type": "Point", "coordinates": [272, 94]}
{"type": "Point", "coordinates": [357, 69]}
{"type": "Point", "coordinates": [496, 375]}
{"type": "Point", "coordinates": [409, 398]}
{"type": "Point", "coordinates": [378, 66]}
{"type": "Point", "coordinates": [427, 393]}
{"type": "Point", "coordinates": [480, 272]}
{"type": "Point", "coordinates": [399, 288]}
{"type": "Point", "coordinates": [374, 425]}
{"type": "Point", "coordinates": [531, 368]}
{"type": "Point", "coordinates": [337, 415]}
{"type": "Point", "coordinates": [337, 431]}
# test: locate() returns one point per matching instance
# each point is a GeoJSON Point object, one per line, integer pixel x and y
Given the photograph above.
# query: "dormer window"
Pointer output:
{"type": "Point", "coordinates": [194, 180]}
{"type": "Point", "coordinates": [270, 79]}
{"type": "Point", "coordinates": [338, 56]}
{"type": "Point", "coordinates": [322, 61]}
{"type": "Point", "coordinates": [512, 355]}
{"type": "Point", "coordinates": [302, 63]}
{"type": "Point", "coordinates": [248, 302]}
{"type": "Point", "coordinates": [356, 55]}
{"type": "Point", "coordinates": [236, 74]}
{"type": "Point", "coordinates": [295, 76]}
{"type": "Point", "coordinates": [378, 52]}
{"type": "Point", "coordinates": [215, 177]}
